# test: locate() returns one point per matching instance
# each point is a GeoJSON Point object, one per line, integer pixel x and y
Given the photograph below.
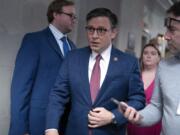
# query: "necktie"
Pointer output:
{"type": "Point", "coordinates": [65, 45]}
{"type": "Point", "coordinates": [95, 79]}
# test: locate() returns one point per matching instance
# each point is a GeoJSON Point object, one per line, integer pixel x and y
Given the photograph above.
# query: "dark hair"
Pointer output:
{"type": "Point", "coordinates": [148, 45]}
{"type": "Point", "coordinates": [103, 12]}
{"type": "Point", "coordinates": [56, 6]}
{"type": "Point", "coordinates": [175, 9]}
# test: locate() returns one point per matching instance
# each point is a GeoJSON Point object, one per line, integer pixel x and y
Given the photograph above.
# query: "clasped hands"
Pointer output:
{"type": "Point", "coordinates": [98, 117]}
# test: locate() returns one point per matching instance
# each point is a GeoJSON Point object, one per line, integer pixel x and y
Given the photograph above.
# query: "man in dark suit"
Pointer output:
{"type": "Point", "coordinates": [37, 65]}
{"type": "Point", "coordinates": [90, 77]}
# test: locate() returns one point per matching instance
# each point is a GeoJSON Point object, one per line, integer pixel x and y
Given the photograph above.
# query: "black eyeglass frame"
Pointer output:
{"type": "Point", "coordinates": [168, 21]}
{"type": "Point", "coordinates": [71, 15]}
{"type": "Point", "coordinates": [100, 31]}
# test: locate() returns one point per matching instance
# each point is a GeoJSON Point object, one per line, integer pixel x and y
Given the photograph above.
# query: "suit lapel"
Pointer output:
{"type": "Point", "coordinates": [72, 45]}
{"type": "Point", "coordinates": [111, 68]}
{"type": "Point", "coordinates": [84, 75]}
{"type": "Point", "coordinates": [52, 42]}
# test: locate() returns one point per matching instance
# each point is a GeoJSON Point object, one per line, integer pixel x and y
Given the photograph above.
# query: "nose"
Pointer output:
{"type": "Point", "coordinates": [167, 35]}
{"type": "Point", "coordinates": [148, 55]}
{"type": "Point", "coordinates": [94, 34]}
{"type": "Point", "coordinates": [74, 20]}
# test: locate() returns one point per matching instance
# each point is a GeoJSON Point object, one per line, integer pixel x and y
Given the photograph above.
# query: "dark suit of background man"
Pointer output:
{"type": "Point", "coordinates": [96, 114]}
{"type": "Point", "coordinates": [37, 65]}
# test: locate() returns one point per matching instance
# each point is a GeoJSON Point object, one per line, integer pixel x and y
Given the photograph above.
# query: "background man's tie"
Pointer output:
{"type": "Point", "coordinates": [65, 45]}
{"type": "Point", "coordinates": [95, 79]}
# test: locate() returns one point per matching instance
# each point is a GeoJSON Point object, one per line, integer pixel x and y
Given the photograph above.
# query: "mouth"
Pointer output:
{"type": "Point", "coordinates": [171, 46]}
{"type": "Point", "coordinates": [148, 60]}
{"type": "Point", "coordinates": [93, 43]}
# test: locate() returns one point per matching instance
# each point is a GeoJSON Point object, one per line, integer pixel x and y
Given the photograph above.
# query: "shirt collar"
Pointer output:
{"type": "Point", "coordinates": [57, 34]}
{"type": "Point", "coordinates": [105, 54]}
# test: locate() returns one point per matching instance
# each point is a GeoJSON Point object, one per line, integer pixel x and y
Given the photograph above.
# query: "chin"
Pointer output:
{"type": "Point", "coordinates": [173, 51]}
{"type": "Point", "coordinates": [95, 49]}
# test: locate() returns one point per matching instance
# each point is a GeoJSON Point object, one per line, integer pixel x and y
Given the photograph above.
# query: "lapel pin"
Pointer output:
{"type": "Point", "coordinates": [115, 59]}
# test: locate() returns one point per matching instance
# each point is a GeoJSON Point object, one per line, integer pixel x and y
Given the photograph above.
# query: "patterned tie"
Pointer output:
{"type": "Point", "coordinates": [65, 45]}
{"type": "Point", "coordinates": [95, 79]}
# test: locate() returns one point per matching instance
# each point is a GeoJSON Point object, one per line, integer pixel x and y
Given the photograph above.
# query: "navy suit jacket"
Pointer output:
{"type": "Point", "coordinates": [122, 82]}
{"type": "Point", "coordinates": [36, 68]}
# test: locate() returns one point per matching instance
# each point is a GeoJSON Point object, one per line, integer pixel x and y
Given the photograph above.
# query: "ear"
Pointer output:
{"type": "Point", "coordinates": [55, 14]}
{"type": "Point", "coordinates": [114, 33]}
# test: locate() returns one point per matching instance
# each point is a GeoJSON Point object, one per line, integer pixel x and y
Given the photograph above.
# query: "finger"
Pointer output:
{"type": "Point", "coordinates": [93, 114]}
{"type": "Point", "coordinates": [92, 126]}
{"type": "Point", "coordinates": [93, 120]}
{"type": "Point", "coordinates": [90, 112]}
{"type": "Point", "coordinates": [137, 118]}
{"type": "Point", "coordinates": [97, 110]}
{"type": "Point", "coordinates": [127, 112]}
{"type": "Point", "coordinates": [132, 114]}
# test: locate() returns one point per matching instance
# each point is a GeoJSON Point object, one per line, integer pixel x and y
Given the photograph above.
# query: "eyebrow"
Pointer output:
{"type": "Point", "coordinates": [174, 27]}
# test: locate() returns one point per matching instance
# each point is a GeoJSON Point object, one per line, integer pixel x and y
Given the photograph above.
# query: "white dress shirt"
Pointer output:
{"type": "Point", "coordinates": [58, 35]}
{"type": "Point", "coordinates": [104, 63]}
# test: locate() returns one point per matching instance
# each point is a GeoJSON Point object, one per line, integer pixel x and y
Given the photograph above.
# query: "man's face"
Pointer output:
{"type": "Point", "coordinates": [172, 34]}
{"type": "Point", "coordinates": [65, 20]}
{"type": "Point", "coordinates": [100, 33]}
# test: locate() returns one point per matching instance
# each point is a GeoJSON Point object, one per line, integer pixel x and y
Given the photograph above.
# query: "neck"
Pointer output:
{"type": "Point", "coordinates": [150, 69]}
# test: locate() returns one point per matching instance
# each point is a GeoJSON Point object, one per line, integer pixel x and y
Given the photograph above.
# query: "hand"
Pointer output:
{"type": "Point", "coordinates": [99, 117]}
{"type": "Point", "coordinates": [51, 132]}
{"type": "Point", "coordinates": [130, 113]}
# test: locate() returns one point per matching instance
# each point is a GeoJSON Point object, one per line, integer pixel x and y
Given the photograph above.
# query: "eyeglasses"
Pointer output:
{"type": "Point", "coordinates": [100, 31]}
{"type": "Point", "coordinates": [71, 15]}
{"type": "Point", "coordinates": [168, 21]}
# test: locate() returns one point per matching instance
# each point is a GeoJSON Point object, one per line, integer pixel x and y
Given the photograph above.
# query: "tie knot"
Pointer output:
{"type": "Point", "coordinates": [98, 57]}
{"type": "Point", "coordinates": [64, 39]}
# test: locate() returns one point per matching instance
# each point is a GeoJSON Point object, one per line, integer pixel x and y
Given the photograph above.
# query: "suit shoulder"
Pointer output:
{"type": "Point", "coordinates": [169, 61]}
{"type": "Point", "coordinates": [36, 34]}
{"type": "Point", "coordinates": [80, 51]}
{"type": "Point", "coordinates": [124, 55]}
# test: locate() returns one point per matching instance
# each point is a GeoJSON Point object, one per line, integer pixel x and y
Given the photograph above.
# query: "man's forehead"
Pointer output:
{"type": "Point", "coordinates": [173, 16]}
{"type": "Point", "coordinates": [172, 20]}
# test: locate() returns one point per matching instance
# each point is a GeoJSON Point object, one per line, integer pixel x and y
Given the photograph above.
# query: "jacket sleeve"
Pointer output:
{"type": "Point", "coordinates": [22, 84]}
{"type": "Point", "coordinates": [136, 97]}
{"type": "Point", "coordinates": [152, 113]}
{"type": "Point", "coordinates": [58, 98]}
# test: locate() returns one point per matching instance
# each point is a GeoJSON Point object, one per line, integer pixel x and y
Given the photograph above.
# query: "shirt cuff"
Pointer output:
{"type": "Point", "coordinates": [51, 129]}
